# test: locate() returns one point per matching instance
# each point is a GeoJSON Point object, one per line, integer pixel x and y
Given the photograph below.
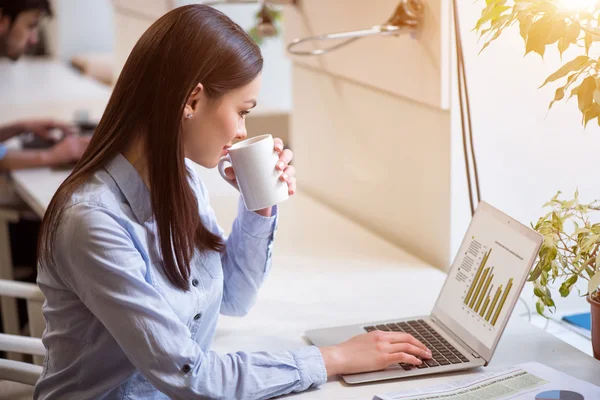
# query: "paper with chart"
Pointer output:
{"type": "Point", "coordinates": [524, 382]}
{"type": "Point", "coordinates": [484, 281]}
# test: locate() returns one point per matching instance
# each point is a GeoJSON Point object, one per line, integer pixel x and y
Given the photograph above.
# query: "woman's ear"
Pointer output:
{"type": "Point", "coordinates": [195, 101]}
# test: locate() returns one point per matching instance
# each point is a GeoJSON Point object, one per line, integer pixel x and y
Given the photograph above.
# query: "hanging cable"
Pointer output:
{"type": "Point", "coordinates": [465, 116]}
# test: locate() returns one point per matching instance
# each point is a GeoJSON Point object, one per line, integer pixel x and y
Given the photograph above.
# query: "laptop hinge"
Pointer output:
{"type": "Point", "coordinates": [449, 332]}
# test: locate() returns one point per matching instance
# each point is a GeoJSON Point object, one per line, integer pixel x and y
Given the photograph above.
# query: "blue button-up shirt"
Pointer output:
{"type": "Point", "coordinates": [116, 328]}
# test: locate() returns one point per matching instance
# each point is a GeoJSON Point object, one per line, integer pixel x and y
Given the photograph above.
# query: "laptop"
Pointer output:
{"type": "Point", "coordinates": [480, 292]}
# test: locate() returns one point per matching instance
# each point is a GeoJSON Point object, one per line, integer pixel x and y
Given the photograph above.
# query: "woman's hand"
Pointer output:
{"type": "Point", "coordinates": [373, 351]}
{"type": "Point", "coordinates": [68, 150]}
{"type": "Point", "coordinates": [287, 172]}
{"type": "Point", "coordinates": [44, 128]}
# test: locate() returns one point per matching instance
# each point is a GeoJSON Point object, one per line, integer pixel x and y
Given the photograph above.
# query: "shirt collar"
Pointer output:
{"type": "Point", "coordinates": [132, 186]}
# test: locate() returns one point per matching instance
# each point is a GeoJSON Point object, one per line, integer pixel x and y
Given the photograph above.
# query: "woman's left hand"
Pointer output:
{"type": "Point", "coordinates": [288, 172]}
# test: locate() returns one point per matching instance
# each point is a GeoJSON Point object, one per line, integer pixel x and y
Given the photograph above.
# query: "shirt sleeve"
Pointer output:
{"type": "Point", "coordinates": [3, 151]}
{"type": "Point", "coordinates": [247, 257]}
{"type": "Point", "coordinates": [98, 260]}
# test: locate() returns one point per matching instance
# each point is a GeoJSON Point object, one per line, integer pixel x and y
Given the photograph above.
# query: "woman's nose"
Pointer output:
{"type": "Point", "coordinates": [242, 133]}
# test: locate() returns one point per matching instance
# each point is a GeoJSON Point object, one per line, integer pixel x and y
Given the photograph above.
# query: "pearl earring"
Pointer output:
{"type": "Point", "coordinates": [188, 116]}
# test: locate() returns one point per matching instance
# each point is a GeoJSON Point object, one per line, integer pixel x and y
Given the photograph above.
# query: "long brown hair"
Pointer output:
{"type": "Point", "coordinates": [189, 45]}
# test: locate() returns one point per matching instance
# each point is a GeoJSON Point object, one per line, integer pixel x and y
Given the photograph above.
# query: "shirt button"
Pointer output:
{"type": "Point", "coordinates": [197, 316]}
{"type": "Point", "coordinates": [186, 368]}
{"type": "Point", "coordinates": [195, 282]}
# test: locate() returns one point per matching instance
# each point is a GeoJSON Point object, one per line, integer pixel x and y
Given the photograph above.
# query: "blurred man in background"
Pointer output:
{"type": "Point", "coordinates": [19, 31]}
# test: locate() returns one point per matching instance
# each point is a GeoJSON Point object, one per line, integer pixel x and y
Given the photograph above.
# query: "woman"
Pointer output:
{"type": "Point", "coordinates": [133, 264]}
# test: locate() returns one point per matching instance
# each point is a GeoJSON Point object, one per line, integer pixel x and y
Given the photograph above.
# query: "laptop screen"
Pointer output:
{"type": "Point", "coordinates": [487, 276]}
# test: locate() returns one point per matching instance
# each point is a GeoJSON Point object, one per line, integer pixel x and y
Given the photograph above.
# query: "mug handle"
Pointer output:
{"type": "Point", "coordinates": [227, 160]}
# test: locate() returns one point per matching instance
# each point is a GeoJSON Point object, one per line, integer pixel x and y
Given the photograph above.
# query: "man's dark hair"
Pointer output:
{"type": "Point", "coordinates": [12, 8]}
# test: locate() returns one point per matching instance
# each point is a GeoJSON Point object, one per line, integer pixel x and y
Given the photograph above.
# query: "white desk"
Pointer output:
{"type": "Point", "coordinates": [33, 87]}
{"type": "Point", "coordinates": [328, 270]}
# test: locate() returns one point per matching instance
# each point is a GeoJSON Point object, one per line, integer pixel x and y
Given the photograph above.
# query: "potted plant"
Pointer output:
{"type": "Point", "coordinates": [569, 253]}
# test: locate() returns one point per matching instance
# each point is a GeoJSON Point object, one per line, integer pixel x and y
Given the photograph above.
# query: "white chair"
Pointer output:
{"type": "Point", "coordinates": [19, 371]}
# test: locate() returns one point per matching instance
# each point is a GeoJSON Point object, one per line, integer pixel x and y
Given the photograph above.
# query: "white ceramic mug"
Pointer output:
{"type": "Point", "coordinates": [254, 161]}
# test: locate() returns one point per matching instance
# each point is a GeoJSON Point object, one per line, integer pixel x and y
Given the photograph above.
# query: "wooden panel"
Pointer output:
{"type": "Point", "coordinates": [149, 9]}
{"type": "Point", "coordinates": [381, 160]}
{"type": "Point", "coordinates": [128, 29]}
{"type": "Point", "coordinates": [132, 18]}
{"type": "Point", "coordinates": [416, 69]}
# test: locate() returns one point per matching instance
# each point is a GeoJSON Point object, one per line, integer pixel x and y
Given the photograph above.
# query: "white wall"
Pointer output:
{"type": "Point", "coordinates": [276, 89]}
{"type": "Point", "coordinates": [525, 153]}
{"type": "Point", "coordinates": [271, 115]}
{"type": "Point", "coordinates": [370, 127]}
{"type": "Point", "coordinates": [81, 26]}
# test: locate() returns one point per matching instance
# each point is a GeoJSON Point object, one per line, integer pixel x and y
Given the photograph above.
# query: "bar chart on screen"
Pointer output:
{"type": "Point", "coordinates": [487, 296]}
{"type": "Point", "coordinates": [486, 277]}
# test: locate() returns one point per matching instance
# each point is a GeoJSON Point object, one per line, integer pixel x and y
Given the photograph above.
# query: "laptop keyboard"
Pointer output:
{"type": "Point", "coordinates": [442, 352]}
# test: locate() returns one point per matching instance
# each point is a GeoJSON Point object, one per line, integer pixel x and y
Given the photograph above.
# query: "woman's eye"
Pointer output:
{"type": "Point", "coordinates": [244, 113]}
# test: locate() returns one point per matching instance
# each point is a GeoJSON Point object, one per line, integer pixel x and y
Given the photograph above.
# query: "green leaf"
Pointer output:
{"type": "Point", "coordinates": [570, 37]}
{"type": "Point", "coordinates": [558, 95]}
{"type": "Point", "coordinates": [597, 98]}
{"type": "Point", "coordinates": [496, 36]}
{"type": "Point", "coordinates": [588, 42]}
{"type": "Point", "coordinates": [544, 277]}
{"type": "Point", "coordinates": [538, 36]}
{"type": "Point", "coordinates": [545, 7]}
{"type": "Point", "coordinates": [590, 114]}
{"type": "Point", "coordinates": [539, 306]}
{"type": "Point", "coordinates": [537, 271]}
{"type": "Point", "coordinates": [589, 271]}
{"type": "Point", "coordinates": [525, 25]}
{"type": "Point", "coordinates": [594, 283]}
{"type": "Point", "coordinates": [538, 292]}
{"type": "Point", "coordinates": [488, 16]}
{"type": "Point", "coordinates": [563, 45]}
{"type": "Point", "coordinates": [564, 289]}
{"type": "Point", "coordinates": [585, 93]}
{"type": "Point", "coordinates": [557, 222]}
{"type": "Point", "coordinates": [589, 242]}
{"type": "Point", "coordinates": [558, 29]}
{"type": "Point", "coordinates": [522, 5]}
{"type": "Point", "coordinates": [581, 230]}
{"type": "Point", "coordinates": [552, 253]}
{"type": "Point", "coordinates": [573, 65]}
{"type": "Point", "coordinates": [554, 270]}
{"type": "Point", "coordinates": [573, 32]}
{"type": "Point", "coordinates": [572, 78]}
{"type": "Point", "coordinates": [547, 301]}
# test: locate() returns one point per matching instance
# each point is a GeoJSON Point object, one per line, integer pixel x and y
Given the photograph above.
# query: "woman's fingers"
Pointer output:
{"type": "Point", "coordinates": [288, 173]}
{"type": "Point", "coordinates": [400, 337]}
{"type": "Point", "coordinates": [409, 349]}
{"type": "Point", "coordinates": [292, 186]}
{"type": "Point", "coordinates": [229, 173]}
{"type": "Point", "coordinates": [284, 159]}
{"type": "Point", "coordinates": [394, 358]}
{"type": "Point", "coordinates": [278, 145]}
